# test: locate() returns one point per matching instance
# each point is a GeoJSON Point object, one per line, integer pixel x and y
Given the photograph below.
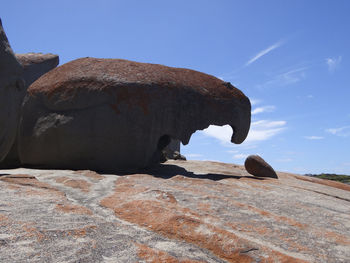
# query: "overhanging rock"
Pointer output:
{"type": "Point", "coordinates": [112, 114]}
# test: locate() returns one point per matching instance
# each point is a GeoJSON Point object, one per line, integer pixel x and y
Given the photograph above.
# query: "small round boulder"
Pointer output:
{"type": "Point", "coordinates": [257, 166]}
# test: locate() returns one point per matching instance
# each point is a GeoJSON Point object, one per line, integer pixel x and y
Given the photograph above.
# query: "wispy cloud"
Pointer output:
{"type": "Point", "coordinates": [240, 156]}
{"type": "Point", "coordinates": [254, 102]}
{"type": "Point", "coordinates": [265, 129]}
{"type": "Point", "coordinates": [259, 131]}
{"type": "Point", "coordinates": [258, 110]}
{"type": "Point", "coordinates": [285, 78]}
{"type": "Point", "coordinates": [342, 131]}
{"type": "Point", "coordinates": [264, 52]}
{"type": "Point", "coordinates": [314, 137]}
{"type": "Point", "coordinates": [333, 63]}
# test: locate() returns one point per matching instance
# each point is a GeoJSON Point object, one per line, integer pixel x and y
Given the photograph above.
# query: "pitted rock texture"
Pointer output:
{"type": "Point", "coordinates": [257, 166]}
{"type": "Point", "coordinates": [11, 94]}
{"type": "Point", "coordinates": [34, 66]}
{"type": "Point", "coordinates": [112, 114]}
{"type": "Point", "coordinates": [181, 211]}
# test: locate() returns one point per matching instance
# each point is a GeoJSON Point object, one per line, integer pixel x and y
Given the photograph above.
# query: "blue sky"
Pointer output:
{"type": "Point", "coordinates": [291, 58]}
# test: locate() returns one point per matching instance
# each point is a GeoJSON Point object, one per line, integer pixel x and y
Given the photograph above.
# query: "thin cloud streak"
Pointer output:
{"type": "Point", "coordinates": [263, 109]}
{"type": "Point", "coordinates": [264, 52]}
{"type": "Point", "coordinates": [342, 131]}
{"type": "Point", "coordinates": [314, 137]}
{"type": "Point", "coordinates": [289, 77]}
{"type": "Point", "coordinates": [261, 130]}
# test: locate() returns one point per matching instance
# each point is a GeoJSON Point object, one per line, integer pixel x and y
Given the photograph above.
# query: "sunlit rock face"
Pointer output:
{"type": "Point", "coordinates": [34, 66]}
{"type": "Point", "coordinates": [11, 94]}
{"type": "Point", "coordinates": [112, 114]}
{"type": "Point", "coordinates": [191, 211]}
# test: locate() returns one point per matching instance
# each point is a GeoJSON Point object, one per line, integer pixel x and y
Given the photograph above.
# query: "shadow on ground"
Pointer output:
{"type": "Point", "coordinates": [167, 171]}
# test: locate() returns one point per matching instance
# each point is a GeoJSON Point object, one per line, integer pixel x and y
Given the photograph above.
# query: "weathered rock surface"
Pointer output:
{"type": "Point", "coordinates": [257, 166]}
{"type": "Point", "coordinates": [11, 94]}
{"type": "Point", "coordinates": [34, 66]}
{"type": "Point", "coordinates": [179, 212]}
{"type": "Point", "coordinates": [112, 114]}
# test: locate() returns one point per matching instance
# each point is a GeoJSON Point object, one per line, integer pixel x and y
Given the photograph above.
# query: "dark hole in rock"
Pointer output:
{"type": "Point", "coordinates": [163, 142]}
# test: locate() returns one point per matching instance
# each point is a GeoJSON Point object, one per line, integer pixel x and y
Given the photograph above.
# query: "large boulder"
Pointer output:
{"type": "Point", "coordinates": [257, 166]}
{"type": "Point", "coordinates": [11, 94]}
{"type": "Point", "coordinates": [113, 114]}
{"type": "Point", "coordinates": [34, 66]}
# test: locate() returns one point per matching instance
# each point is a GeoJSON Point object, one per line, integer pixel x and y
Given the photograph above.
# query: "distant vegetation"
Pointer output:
{"type": "Point", "coordinates": [334, 177]}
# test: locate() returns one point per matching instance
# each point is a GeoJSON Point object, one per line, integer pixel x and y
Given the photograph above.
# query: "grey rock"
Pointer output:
{"type": "Point", "coordinates": [193, 211]}
{"type": "Point", "coordinates": [111, 114]}
{"type": "Point", "coordinates": [35, 65]}
{"type": "Point", "coordinates": [257, 166]}
{"type": "Point", "coordinates": [11, 94]}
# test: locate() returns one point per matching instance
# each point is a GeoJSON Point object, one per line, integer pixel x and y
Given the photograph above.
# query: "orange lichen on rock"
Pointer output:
{"type": "Point", "coordinates": [81, 232]}
{"type": "Point", "coordinates": [75, 209]}
{"type": "Point", "coordinates": [289, 221]}
{"type": "Point", "coordinates": [74, 183]}
{"type": "Point", "coordinates": [275, 256]}
{"type": "Point", "coordinates": [165, 196]}
{"type": "Point", "coordinates": [32, 231]}
{"type": "Point", "coordinates": [334, 237]}
{"type": "Point", "coordinates": [124, 71]}
{"type": "Point", "coordinates": [151, 255]}
{"type": "Point", "coordinates": [326, 182]}
{"type": "Point", "coordinates": [90, 174]}
{"type": "Point", "coordinates": [33, 183]}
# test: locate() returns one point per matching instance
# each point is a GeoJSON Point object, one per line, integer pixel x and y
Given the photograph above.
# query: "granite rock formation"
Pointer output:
{"type": "Point", "coordinates": [257, 166]}
{"type": "Point", "coordinates": [179, 212]}
{"type": "Point", "coordinates": [112, 114]}
{"type": "Point", "coordinates": [34, 66]}
{"type": "Point", "coordinates": [11, 94]}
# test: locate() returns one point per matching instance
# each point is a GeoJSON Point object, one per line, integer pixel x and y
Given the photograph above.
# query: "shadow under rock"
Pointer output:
{"type": "Point", "coordinates": [167, 171]}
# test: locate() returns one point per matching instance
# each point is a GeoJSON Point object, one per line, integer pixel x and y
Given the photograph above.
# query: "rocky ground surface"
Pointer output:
{"type": "Point", "coordinates": [182, 211]}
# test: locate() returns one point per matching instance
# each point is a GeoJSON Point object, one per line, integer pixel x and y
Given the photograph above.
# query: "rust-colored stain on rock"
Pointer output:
{"type": "Point", "coordinates": [107, 71]}
{"type": "Point", "coordinates": [33, 183]}
{"type": "Point", "coordinates": [75, 209]}
{"type": "Point", "coordinates": [131, 97]}
{"type": "Point", "coordinates": [90, 174]}
{"type": "Point", "coordinates": [174, 221]}
{"type": "Point", "coordinates": [151, 255]}
{"type": "Point", "coordinates": [195, 214]}
{"type": "Point", "coordinates": [74, 183]}
{"type": "Point", "coordinates": [326, 182]}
